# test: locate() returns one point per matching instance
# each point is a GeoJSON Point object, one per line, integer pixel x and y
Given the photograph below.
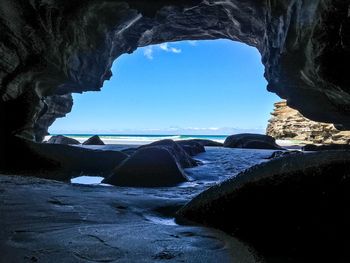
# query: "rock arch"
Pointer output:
{"type": "Point", "coordinates": [51, 48]}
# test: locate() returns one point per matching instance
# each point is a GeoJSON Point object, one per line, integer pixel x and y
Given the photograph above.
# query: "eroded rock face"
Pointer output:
{"type": "Point", "coordinates": [54, 48]}
{"type": "Point", "coordinates": [287, 123]}
{"type": "Point", "coordinates": [56, 106]}
{"type": "Point", "coordinates": [50, 48]}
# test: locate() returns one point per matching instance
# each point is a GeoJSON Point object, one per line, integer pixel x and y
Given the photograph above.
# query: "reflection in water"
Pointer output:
{"type": "Point", "coordinates": [87, 180]}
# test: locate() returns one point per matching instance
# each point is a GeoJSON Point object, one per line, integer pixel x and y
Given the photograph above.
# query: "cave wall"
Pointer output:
{"type": "Point", "coordinates": [56, 106]}
{"type": "Point", "coordinates": [56, 47]}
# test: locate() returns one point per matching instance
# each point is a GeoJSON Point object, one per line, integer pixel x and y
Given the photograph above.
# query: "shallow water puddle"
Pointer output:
{"type": "Point", "coordinates": [87, 180]}
{"type": "Point", "coordinates": [161, 220]}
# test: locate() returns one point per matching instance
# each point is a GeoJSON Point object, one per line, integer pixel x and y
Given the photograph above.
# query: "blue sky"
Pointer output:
{"type": "Point", "coordinates": [188, 87]}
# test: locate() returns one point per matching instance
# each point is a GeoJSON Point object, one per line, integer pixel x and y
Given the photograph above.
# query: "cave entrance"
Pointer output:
{"type": "Point", "coordinates": [179, 90]}
{"type": "Point", "coordinates": [212, 87]}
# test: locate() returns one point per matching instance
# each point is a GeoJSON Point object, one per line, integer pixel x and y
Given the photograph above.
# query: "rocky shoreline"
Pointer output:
{"type": "Point", "coordinates": [288, 124]}
{"type": "Point", "coordinates": [280, 203]}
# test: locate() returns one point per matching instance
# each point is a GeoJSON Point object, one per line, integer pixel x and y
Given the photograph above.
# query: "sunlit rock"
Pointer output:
{"type": "Point", "coordinates": [287, 123]}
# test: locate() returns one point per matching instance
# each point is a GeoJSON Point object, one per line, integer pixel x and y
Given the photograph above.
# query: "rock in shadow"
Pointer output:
{"type": "Point", "coordinates": [204, 142]}
{"type": "Point", "coordinates": [327, 147]}
{"type": "Point", "coordinates": [251, 141]}
{"type": "Point", "coordinates": [191, 147]}
{"type": "Point", "coordinates": [60, 139]}
{"type": "Point", "coordinates": [94, 140]}
{"type": "Point", "coordinates": [57, 161]}
{"type": "Point", "coordinates": [129, 151]}
{"type": "Point", "coordinates": [148, 167]}
{"type": "Point", "coordinates": [76, 160]}
{"type": "Point", "coordinates": [183, 158]}
{"type": "Point", "coordinates": [280, 154]}
{"type": "Point", "coordinates": [293, 207]}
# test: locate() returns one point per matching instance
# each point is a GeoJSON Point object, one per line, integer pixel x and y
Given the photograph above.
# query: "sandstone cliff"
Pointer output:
{"type": "Point", "coordinates": [287, 123]}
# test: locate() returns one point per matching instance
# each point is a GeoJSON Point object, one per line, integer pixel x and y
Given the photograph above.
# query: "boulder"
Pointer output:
{"type": "Point", "coordinates": [183, 158]}
{"type": "Point", "coordinates": [327, 147]}
{"type": "Point", "coordinates": [74, 161]}
{"type": "Point", "coordinates": [293, 207]}
{"type": "Point", "coordinates": [129, 151]}
{"type": "Point", "coordinates": [279, 154]}
{"type": "Point", "coordinates": [60, 139]}
{"type": "Point", "coordinates": [94, 140]}
{"type": "Point", "coordinates": [191, 147]}
{"type": "Point", "coordinates": [251, 141]}
{"type": "Point", "coordinates": [207, 143]}
{"type": "Point", "coordinates": [152, 166]}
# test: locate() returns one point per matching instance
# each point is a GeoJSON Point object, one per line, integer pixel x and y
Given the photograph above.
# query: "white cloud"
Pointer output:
{"type": "Point", "coordinates": [192, 42]}
{"type": "Point", "coordinates": [203, 129]}
{"type": "Point", "coordinates": [175, 50]}
{"type": "Point", "coordinates": [148, 52]}
{"type": "Point", "coordinates": [166, 47]}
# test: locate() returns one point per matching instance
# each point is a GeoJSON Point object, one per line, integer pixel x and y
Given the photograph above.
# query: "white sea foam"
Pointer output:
{"type": "Point", "coordinates": [140, 140]}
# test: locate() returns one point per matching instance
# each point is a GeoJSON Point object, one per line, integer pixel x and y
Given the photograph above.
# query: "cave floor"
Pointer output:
{"type": "Point", "coordinates": [47, 221]}
{"type": "Point", "coordinates": [50, 221]}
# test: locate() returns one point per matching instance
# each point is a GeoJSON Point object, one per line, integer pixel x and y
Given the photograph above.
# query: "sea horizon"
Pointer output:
{"type": "Point", "coordinates": [110, 138]}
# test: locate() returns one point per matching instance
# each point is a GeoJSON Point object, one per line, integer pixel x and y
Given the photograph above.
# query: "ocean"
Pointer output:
{"type": "Point", "coordinates": [139, 139]}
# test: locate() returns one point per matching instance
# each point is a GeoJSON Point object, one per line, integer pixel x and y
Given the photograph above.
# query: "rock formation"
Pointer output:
{"type": "Point", "coordinates": [291, 207]}
{"type": "Point", "coordinates": [60, 139]}
{"type": "Point", "coordinates": [327, 147]}
{"type": "Point", "coordinates": [71, 161]}
{"type": "Point", "coordinates": [192, 147]}
{"type": "Point", "coordinates": [207, 143]}
{"type": "Point", "coordinates": [251, 141]}
{"type": "Point", "coordinates": [288, 123]}
{"type": "Point", "coordinates": [55, 48]}
{"type": "Point", "coordinates": [151, 166]}
{"type": "Point", "coordinates": [45, 221]}
{"type": "Point", "coordinates": [156, 164]}
{"type": "Point", "coordinates": [94, 140]}
{"type": "Point", "coordinates": [51, 48]}
{"type": "Point", "coordinates": [56, 106]}
{"type": "Point", "coordinates": [184, 159]}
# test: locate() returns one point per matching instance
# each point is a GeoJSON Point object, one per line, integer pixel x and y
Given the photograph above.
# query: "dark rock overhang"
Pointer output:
{"type": "Point", "coordinates": [55, 48]}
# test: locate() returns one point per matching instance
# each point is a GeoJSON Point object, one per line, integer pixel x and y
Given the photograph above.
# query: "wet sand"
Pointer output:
{"type": "Point", "coordinates": [48, 221]}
